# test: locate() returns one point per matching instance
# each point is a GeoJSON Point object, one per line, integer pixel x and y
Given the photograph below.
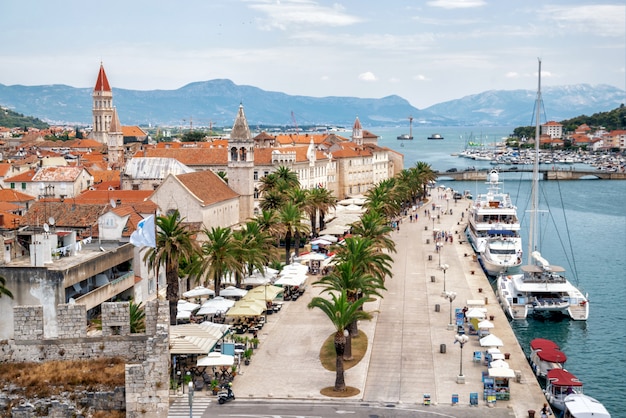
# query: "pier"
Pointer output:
{"type": "Point", "coordinates": [547, 174]}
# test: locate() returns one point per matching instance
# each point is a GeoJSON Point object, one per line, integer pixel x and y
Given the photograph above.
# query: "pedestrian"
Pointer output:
{"type": "Point", "coordinates": [545, 411]}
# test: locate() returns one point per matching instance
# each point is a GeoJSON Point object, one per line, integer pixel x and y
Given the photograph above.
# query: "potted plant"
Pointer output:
{"type": "Point", "coordinates": [215, 386]}
{"type": "Point", "coordinates": [247, 354]}
{"type": "Point", "coordinates": [255, 342]}
{"type": "Point", "coordinates": [233, 370]}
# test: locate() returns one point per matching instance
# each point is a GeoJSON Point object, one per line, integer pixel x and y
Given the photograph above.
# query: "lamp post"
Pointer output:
{"type": "Point", "coordinates": [433, 217]}
{"type": "Point", "coordinates": [450, 296]}
{"type": "Point", "coordinates": [444, 268]}
{"type": "Point", "coordinates": [191, 399]}
{"type": "Point", "coordinates": [461, 339]}
{"type": "Point", "coordinates": [439, 246]}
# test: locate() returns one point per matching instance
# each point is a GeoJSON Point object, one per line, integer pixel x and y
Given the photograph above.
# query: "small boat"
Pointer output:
{"type": "Point", "coordinates": [410, 134]}
{"type": "Point", "coordinates": [543, 361]}
{"type": "Point", "coordinates": [560, 384]}
{"type": "Point", "coordinates": [579, 405]}
{"type": "Point", "coordinates": [435, 137]}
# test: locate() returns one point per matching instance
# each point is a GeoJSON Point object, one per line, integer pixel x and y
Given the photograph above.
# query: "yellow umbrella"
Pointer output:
{"type": "Point", "coordinates": [266, 292]}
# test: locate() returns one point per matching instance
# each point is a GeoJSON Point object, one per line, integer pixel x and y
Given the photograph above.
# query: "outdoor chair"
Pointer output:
{"type": "Point", "coordinates": [477, 356]}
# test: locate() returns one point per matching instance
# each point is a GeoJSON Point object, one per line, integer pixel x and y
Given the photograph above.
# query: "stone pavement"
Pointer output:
{"type": "Point", "coordinates": [404, 359]}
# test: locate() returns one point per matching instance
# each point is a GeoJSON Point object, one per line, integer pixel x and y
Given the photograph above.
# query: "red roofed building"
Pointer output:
{"type": "Point", "coordinates": [552, 128]}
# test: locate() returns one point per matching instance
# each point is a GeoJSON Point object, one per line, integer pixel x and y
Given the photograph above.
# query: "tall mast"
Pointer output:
{"type": "Point", "coordinates": [532, 245]}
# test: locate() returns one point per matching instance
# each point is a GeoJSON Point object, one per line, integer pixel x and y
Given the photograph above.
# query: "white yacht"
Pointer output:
{"type": "Point", "coordinates": [579, 405]}
{"type": "Point", "coordinates": [540, 288]}
{"type": "Point", "coordinates": [494, 229]}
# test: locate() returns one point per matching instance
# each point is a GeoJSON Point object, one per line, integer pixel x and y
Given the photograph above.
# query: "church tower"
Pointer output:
{"type": "Point", "coordinates": [115, 142]}
{"type": "Point", "coordinates": [102, 109]}
{"type": "Point", "coordinates": [241, 165]}
{"type": "Point", "coordinates": [357, 132]}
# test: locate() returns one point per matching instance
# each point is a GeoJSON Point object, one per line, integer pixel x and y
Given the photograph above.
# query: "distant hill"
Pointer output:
{"type": "Point", "coordinates": [11, 119]}
{"type": "Point", "coordinates": [216, 101]}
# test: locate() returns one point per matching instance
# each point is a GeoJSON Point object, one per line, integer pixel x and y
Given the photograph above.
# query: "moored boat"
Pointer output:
{"type": "Point", "coordinates": [543, 361]}
{"type": "Point", "coordinates": [494, 229]}
{"type": "Point", "coordinates": [435, 137]}
{"type": "Point", "coordinates": [408, 136]}
{"type": "Point", "coordinates": [540, 288]}
{"type": "Point", "coordinates": [404, 137]}
{"type": "Point", "coordinates": [579, 405]}
{"type": "Point", "coordinates": [559, 384]}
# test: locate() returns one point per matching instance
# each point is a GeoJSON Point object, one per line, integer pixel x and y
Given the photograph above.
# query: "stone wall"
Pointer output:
{"type": "Point", "coordinates": [146, 354]}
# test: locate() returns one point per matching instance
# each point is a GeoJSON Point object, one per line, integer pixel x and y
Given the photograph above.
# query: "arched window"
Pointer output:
{"type": "Point", "coordinates": [242, 154]}
{"type": "Point", "coordinates": [233, 154]}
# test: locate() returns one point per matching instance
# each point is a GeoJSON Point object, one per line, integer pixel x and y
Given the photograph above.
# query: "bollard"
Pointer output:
{"type": "Point", "coordinates": [486, 300]}
{"type": "Point", "coordinates": [432, 279]}
{"type": "Point", "coordinates": [531, 413]}
{"type": "Point", "coordinates": [430, 258]}
{"type": "Point", "coordinates": [437, 308]}
{"type": "Point", "coordinates": [426, 228]}
{"type": "Point", "coordinates": [442, 348]}
{"type": "Point", "coordinates": [427, 241]}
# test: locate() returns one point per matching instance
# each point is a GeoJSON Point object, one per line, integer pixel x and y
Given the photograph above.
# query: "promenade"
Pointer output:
{"type": "Point", "coordinates": [404, 359]}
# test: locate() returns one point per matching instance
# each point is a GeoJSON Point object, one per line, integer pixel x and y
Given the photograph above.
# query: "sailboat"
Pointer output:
{"type": "Point", "coordinates": [541, 288]}
{"type": "Point", "coordinates": [410, 134]}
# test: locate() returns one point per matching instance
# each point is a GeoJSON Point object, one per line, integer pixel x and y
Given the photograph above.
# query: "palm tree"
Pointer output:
{"type": "Point", "coordinates": [375, 227]}
{"type": "Point", "coordinates": [425, 175]}
{"type": "Point", "coordinates": [223, 175]}
{"type": "Point", "coordinates": [287, 177]}
{"type": "Point", "coordinates": [320, 201]}
{"type": "Point", "coordinates": [383, 198]}
{"type": "Point", "coordinates": [219, 256]}
{"type": "Point", "coordinates": [341, 313]}
{"type": "Point", "coordinates": [357, 285]}
{"type": "Point", "coordinates": [253, 247]}
{"type": "Point", "coordinates": [3, 289]}
{"type": "Point", "coordinates": [269, 222]}
{"type": "Point", "coordinates": [173, 244]}
{"type": "Point", "coordinates": [291, 221]}
{"type": "Point", "coordinates": [364, 257]}
{"type": "Point", "coordinates": [137, 318]}
{"type": "Point", "coordinates": [272, 200]}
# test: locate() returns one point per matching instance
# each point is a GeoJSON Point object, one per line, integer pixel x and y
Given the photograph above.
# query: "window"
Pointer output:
{"type": "Point", "coordinates": [23, 186]}
{"type": "Point", "coordinates": [13, 185]}
{"type": "Point", "coordinates": [256, 175]}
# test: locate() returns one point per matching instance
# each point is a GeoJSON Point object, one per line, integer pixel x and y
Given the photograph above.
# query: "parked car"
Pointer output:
{"type": "Point", "coordinates": [451, 170]}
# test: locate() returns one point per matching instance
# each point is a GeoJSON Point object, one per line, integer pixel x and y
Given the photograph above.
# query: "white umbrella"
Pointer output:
{"type": "Point", "coordinates": [216, 359]}
{"type": "Point", "coordinates": [233, 291]}
{"type": "Point", "coordinates": [291, 280]}
{"type": "Point", "coordinates": [485, 324]}
{"type": "Point", "coordinates": [328, 238]}
{"type": "Point", "coordinates": [491, 341]}
{"type": "Point", "coordinates": [215, 305]}
{"type": "Point", "coordinates": [475, 313]}
{"type": "Point", "coordinates": [183, 305]}
{"type": "Point", "coordinates": [198, 292]}
{"type": "Point", "coordinates": [320, 241]}
{"type": "Point", "coordinates": [499, 364]}
{"type": "Point", "coordinates": [183, 314]}
{"type": "Point", "coordinates": [312, 256]}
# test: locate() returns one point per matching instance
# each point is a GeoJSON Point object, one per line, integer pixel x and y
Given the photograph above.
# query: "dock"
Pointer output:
{"type": "Point", "coordinates": [412, 352]}
{"type": "Point", "coordinates": [546, 174]}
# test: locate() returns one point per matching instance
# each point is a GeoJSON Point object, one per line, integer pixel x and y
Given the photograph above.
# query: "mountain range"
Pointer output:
{"type": "Point", "coordinates": [217, 101]}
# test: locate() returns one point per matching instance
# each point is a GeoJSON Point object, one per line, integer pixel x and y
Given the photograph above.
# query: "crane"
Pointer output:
{"type": "Point", "coordinates": [295, 124]}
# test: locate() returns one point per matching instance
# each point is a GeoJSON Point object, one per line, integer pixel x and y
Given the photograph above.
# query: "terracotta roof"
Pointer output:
{"type": "Point", "coordinates": [8, 206]}
{"type": "Point", "coordinates": [105, 196]}
{"type": "Point", "coordinates": [357, 124]}
{"type": "Point", "coordinates": [65, 214]}
{"type": "Point", "coordinates": [133, 131]}
{"type": "Point", "coordinates": [4, 169]}
{"type": "Point", "coordinates": [100, 176]}
{"type": "Point", "coordinates": [552, 123]}
{"type": "Point", "coordinates": [9, 195]}
{"type": "Point", "coordinates": [192, 156]}
{"type": "Point", "coordinates": [9, 220]}
{"type": "Point", "coordinates": [58, 174]}
{"type": "Point", "coordinates": [24, 177]}
{"type": "Point", "coordinates": [263, 156]}
{"type": "Point", "coordinates": [102, 83]}
{"type": "Point", "coordinates": [207, 186]}
{"type": "Point", "coordinates": [304, 139]}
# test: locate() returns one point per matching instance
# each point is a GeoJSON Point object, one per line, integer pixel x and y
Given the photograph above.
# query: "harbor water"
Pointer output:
{"type": "Point", "coordinates": [587, 219]}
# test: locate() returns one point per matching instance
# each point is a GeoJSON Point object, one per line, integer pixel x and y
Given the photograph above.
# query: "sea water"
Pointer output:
{"type": "Point", "coordinates": [583, 229]}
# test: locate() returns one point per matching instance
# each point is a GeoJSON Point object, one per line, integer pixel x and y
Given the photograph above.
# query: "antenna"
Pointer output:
{"type": "Point", "coordinates": [51, 221]}
{"type": "Point", "coordinates": [46, 228]}
{"type": "Point", "coordinates": [112, 203]}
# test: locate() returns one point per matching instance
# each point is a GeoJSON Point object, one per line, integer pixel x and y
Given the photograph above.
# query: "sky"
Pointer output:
{"type": "Point", "coordinates": [427, 52]}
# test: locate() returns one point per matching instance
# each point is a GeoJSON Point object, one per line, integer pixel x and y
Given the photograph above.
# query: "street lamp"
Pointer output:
{"type": "Point", "coordinates": [433, 217]}
{"type": "Point", "coordinates": [439, 246]}
{"type": "Point", "coordinates": [444, 268]}
{"type": "Point", "coordinates": [461, 339]}
{"type": "Point", "coordinates": [450, 296]}
{"type": "Point", "coordinates": [191, 398]}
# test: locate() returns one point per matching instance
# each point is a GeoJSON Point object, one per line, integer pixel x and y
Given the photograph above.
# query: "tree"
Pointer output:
{"type": "Point", "coordinates": [290, 218]}
{"type": "Point", "coordinates": [364, 257]}
{"type": "Point", "coordinates": [253, 247]}
{"type": "Point", "coordinates": [3, 289]}
{"type": "Point", "coordinates": [173, 244]}
{"type": "Point", "coordinates": [374, 226]}
{"type": "Point", "coordinates": [341, 313]}
{"type": "Point", "coordinates": [219, 256]}
{"type": "Point", "coordinates": [223, 175]}
{"type": "Point", "coordinates": [320, 201]}
{"type": "Point", "coordinates": [137, 318]}
{"type": "Point", "coordinates": [425, 175]}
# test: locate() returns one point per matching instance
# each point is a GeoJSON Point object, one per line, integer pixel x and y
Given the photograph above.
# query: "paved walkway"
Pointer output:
{"type": "Point", "coordinates": [404, 359]}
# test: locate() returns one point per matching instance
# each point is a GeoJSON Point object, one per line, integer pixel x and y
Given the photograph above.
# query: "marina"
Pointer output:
{"type": "Point", "coordinates": [599, 254]}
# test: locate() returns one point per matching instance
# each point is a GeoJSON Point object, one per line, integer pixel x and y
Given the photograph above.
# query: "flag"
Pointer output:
{"type": "Point", "coordinates": [145, 234]}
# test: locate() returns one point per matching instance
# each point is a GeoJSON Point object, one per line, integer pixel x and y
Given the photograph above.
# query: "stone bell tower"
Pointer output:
{"type": "Point", "coordinates": [241, 165]}
{"type": "Point", "coordinates": [102, 108]}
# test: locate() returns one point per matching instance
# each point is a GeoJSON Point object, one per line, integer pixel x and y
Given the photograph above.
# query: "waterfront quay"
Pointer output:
{"type": "Point", "coordinates": [405, 358]}
{"type": "Point", "coordinates": [547, 174]}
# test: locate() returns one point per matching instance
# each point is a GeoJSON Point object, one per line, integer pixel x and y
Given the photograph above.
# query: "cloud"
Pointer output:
{"type": "Point", "coordinates": [602, 20]}
{"type": "Point", "coordinates": [283, 14]}
{"type": "Point", "coordinates": [512, 74]}
{"type": "Point", "coordinates": [367, 76]}
{"type": "Point", "coordinates": [456, 4]}
{"type": "Point", "coordinates": [420, 77]}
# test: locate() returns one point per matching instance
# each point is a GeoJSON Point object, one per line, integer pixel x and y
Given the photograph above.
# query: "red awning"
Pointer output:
{"type": "Point", "coordinates": [560, 377]}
